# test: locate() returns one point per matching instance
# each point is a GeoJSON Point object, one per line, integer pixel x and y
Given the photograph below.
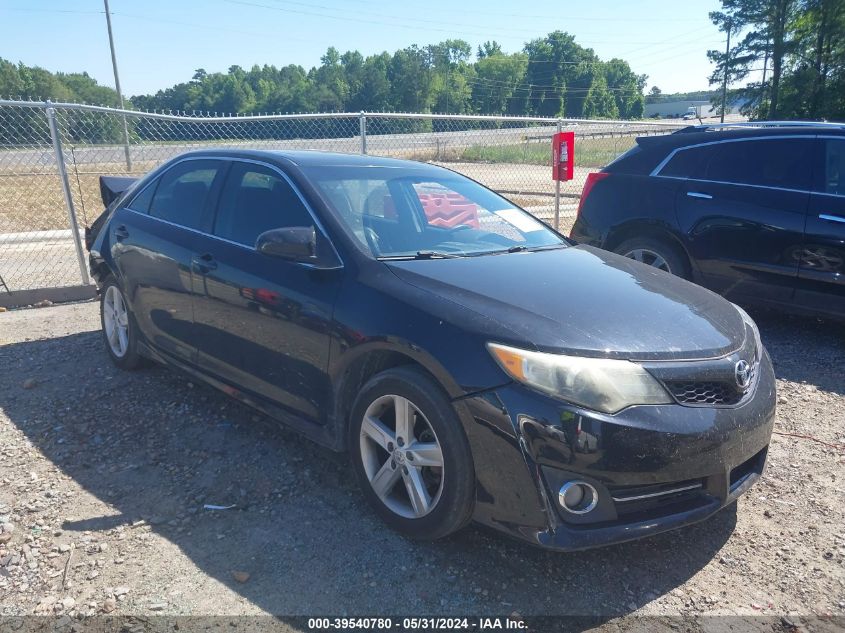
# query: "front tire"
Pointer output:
{"type": "Point", "coordinates": [120, 332]}
{"type": "Point", "coordinates": [410, 454]}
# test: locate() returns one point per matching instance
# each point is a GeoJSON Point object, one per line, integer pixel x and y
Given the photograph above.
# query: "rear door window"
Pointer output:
{"type": "Point", "coordinates": [182, 192]}
{"type": "Point", "coordinates": [141, 201]}
{"type": "Point", "coordinates": [834, 167]}
{"type": "Point", "coordinates": [774, 162]}
{"type": "Point", "coordinates": [256, 199]}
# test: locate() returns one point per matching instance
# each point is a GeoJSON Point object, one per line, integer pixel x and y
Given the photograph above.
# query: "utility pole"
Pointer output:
{"type": "Point", "coordinates": [117, 87]}
{"type": "Point", "coordinates": [725, 70]}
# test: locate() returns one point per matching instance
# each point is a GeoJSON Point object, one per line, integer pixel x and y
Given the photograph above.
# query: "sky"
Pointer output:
{"type": "Point", "coordinates": [162, 42]}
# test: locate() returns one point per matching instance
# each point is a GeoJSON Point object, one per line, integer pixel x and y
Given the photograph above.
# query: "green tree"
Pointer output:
{"type": "Point", "coordinates": [599, 101]}
{"type": "Point", "coordinates": [497, 77]}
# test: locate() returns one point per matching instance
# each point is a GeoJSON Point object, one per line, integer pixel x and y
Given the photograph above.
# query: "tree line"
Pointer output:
{"type": "Point", "coordinates": [551, 76]}
{"type": "Point", "coordinates": [796, 47]}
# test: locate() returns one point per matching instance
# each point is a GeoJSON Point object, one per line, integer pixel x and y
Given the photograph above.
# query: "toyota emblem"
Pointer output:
{"type": "Point", "coordinates": [742, 373]}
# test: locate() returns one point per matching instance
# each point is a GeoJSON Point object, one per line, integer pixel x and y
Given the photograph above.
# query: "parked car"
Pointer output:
{"type": "Point", "coordinates": [565, 395]}
{"type": "Point", "coordinates": [754, 213]}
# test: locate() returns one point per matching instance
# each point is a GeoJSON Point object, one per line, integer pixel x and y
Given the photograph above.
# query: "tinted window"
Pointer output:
{"type": "Point", "coordinates": [772, 163]}
{"type": "Point", "coordinates": [141, 202]}
{"type": "Point", "coordinates": [182, 192]}
{"type": "Point", "coordinates": [834, 167]}
{"type": "Point", "coordinates": [256, 199]}
{"type": "Point", "coordinates": [686, 163]}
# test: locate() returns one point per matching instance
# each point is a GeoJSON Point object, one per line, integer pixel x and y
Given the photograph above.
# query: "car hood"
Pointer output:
{"type": "Point", "coordinates": [586, 301]}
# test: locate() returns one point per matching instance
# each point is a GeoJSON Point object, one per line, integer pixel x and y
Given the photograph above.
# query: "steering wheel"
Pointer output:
{"type": "Point", "coordinates": [372, 240]}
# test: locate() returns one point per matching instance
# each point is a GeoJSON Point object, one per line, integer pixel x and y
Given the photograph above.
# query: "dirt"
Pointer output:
{"type": "Point", "coordinates": [105, 479]}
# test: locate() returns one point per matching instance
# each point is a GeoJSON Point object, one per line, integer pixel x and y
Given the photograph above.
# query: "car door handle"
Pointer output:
{"type": "Point", "coordinates": [699, 194]}
{"type": "Point", "coordinates": [120, 233]}
{"type": "Point", "coordinates": [204, 263]}
{"type": "Point", "coordinates": [831, 218]}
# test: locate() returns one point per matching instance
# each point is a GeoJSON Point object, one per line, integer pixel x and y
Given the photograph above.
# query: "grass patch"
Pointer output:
{"type": "Point", "coordinates": [31, 199]}
{"type": "Point", "coordinates": [589, 152]}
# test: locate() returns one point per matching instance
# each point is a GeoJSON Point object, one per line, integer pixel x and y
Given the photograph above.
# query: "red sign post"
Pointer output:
{"type": "Point", "coordinates": [563, 155]}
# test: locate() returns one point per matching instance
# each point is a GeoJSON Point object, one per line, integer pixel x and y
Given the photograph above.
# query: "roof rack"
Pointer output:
{"type": "Point", "coordinates": [762, 124]}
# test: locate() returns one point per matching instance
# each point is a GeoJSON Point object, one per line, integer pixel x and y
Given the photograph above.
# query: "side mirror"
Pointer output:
{"type": "Point", "coordinates": [297, 243]}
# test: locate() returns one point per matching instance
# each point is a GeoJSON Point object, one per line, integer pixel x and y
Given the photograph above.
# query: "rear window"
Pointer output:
{"type": "Point", "coordinates": [686, 163]}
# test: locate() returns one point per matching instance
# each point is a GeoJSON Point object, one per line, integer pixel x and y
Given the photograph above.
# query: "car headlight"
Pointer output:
{"type": "Point", "coordinates": [749, 322]}
{"type": "Point", "coordinates": [602, 384]}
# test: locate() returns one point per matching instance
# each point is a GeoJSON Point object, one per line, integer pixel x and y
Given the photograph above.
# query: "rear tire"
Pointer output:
{"type": "Point", "coordinates": [657, 253]}
{"type": "Point", "coordinates": [410, 454]}
{"type": "Point", "coordinates": [120, 332]}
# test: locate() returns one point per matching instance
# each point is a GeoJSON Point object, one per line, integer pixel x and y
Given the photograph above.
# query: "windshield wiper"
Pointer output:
{"type": "Point", "coordinates": [423, 255]}
{"type": "Point", "coordinates": [519, 248]}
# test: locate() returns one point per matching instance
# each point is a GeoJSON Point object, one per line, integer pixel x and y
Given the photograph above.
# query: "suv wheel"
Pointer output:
{"type": "Point", "coordinates": [411, 456]}
{"type": "Point", "coordinates": [655, 253]}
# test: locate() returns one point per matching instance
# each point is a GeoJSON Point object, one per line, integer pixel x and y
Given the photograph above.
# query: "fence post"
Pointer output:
{"type": "Point", "coordinates": [362, 129]}
{"type": "Point", "coordinates": [71, 212]}
{"type": "Point", "coordinates": [126, 144]}
{"type": "Point", "coordinates": [557, 187]}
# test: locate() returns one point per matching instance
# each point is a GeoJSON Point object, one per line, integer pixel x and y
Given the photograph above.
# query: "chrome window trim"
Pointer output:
{"type": "Point", "coordinates": [737, 184]}
{"type": "Point", "coordinates": [230, 159]}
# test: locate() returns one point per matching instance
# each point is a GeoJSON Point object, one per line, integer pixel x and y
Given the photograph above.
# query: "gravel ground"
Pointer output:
{"type": "Point", "coordinates": [104, 476]}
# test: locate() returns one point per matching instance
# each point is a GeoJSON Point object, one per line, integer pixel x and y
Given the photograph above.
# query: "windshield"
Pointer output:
{"type": "Point", "coordinates": [410, 213]}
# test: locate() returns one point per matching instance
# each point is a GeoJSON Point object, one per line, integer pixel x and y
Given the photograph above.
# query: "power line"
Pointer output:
{"type": "Point", "coordinates": [551, 16]}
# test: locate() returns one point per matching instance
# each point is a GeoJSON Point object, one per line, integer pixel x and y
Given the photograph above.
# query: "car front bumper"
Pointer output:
{"type": "Point", "coordinates": [655, 467]}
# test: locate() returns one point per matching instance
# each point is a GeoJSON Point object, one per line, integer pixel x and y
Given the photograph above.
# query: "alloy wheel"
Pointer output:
{"type": "Point", "coordinates": [649, 257]}
{"type": "Point", "coordinates": [402, 456]}
{"type": "Point", "coordinates": [116, 321]}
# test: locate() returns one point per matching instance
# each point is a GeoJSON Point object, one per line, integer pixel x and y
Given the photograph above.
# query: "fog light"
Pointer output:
{"type": "Point", "coordinates": [578, 497]}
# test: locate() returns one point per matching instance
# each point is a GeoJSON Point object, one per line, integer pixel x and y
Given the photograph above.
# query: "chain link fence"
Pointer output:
{"type": "Point", "coordinates": [51, 157]}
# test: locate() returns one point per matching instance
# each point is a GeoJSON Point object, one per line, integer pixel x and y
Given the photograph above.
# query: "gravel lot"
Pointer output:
{"type": "Point", "coordinates": [104, 475]}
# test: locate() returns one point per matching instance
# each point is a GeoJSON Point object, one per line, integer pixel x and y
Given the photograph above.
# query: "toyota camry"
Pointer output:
{"type": "Point", "coordinates": [475, 364]}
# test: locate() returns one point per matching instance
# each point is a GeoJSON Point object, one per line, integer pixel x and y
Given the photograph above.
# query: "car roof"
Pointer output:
{"type": "Point", "coordinates": [696, 134]}
{"type": "Point", "coordinates": [311, 158]}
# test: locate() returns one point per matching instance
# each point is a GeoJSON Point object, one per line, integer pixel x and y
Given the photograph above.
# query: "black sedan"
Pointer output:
{"type": "Point", "coordinates": [474, 363]}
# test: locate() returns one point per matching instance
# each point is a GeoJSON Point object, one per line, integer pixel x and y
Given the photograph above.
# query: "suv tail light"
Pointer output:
{"type": "Point", "coordinates": [592, 179]}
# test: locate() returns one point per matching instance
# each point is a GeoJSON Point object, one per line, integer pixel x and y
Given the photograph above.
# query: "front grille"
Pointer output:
{"type": "Point", "coordinates": [691, 392]}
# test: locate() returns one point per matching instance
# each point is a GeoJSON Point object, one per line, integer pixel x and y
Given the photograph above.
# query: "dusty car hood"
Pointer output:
{"type": "Point", "coordinates": [587, 301]}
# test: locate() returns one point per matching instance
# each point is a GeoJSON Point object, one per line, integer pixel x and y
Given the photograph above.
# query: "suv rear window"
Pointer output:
{"type": "Point", "coordinates": [686, 163]}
